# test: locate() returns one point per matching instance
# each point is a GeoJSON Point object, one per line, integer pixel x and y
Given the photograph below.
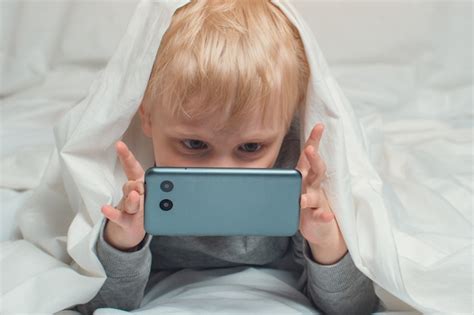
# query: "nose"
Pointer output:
{"type": "Point", "coordinates": [228, 161]}
{"type": "Point", "coordinates": [224, 161]}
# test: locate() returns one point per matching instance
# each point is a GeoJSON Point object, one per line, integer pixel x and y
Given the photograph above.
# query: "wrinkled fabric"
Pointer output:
{"type": "Point", "coordinates": [390, 243]}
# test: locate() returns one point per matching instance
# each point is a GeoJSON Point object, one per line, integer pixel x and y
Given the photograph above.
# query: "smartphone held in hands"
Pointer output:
{"type": "Point", "coordinates": [199, 201]}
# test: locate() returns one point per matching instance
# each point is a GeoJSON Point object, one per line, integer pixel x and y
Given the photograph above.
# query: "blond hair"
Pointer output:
{"type": "Point", "coordinates": [236, 57]}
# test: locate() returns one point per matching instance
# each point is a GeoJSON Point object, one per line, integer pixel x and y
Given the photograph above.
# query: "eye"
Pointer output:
{"type": "Point", "coordinates": [193, 144]}
{"type": "Point", "coordinates": [251, 147]}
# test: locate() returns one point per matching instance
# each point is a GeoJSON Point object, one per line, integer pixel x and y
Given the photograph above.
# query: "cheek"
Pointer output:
{"type": "Point", "coordinates": [165, 157]}
{"type": "Point", "coordinates": [273, 160]}
{"type": "Point", "coordinates": [162, 151]}
{"type": "Point", "coordinates": [275, 151]}
{"type": "Point", "coordinates": [268, 160]}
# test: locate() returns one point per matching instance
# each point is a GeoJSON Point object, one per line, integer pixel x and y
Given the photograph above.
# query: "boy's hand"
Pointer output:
{"type": "Point", "coordinates": [318, 224]}
{"type": "Point", "coordinates": [125, 230]}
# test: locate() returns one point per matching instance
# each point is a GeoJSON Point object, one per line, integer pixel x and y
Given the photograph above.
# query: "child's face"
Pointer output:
{"type": "Point", "coordinates": [195, 143]}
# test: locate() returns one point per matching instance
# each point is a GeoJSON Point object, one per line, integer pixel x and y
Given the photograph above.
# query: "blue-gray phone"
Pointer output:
{"type": "Point", "coordinates": [199, 201]}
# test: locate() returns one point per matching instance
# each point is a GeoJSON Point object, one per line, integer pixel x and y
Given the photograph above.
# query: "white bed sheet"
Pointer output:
{"type": "Point", "coordinates": [410, 83]}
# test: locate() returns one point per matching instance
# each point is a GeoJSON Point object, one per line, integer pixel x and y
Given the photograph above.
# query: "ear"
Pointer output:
{"type": "Point", "coordinates": [145, 119]}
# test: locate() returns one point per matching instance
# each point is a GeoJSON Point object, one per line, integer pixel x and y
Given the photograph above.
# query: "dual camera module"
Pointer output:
{"type": "Point", "coordinates": [166, 204]}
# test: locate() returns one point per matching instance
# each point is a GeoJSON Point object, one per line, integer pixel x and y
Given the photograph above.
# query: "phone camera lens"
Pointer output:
{"type": "Point", "coordinates": [166, 186]}
{"type": "Point", "coordinates": [166, 204]}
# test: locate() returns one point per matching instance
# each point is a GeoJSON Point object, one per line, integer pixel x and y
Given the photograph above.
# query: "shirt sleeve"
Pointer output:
{"type": "Point", "coordinates": [127, 275]}
{"type": "Point", "coordinates": [339, 288]}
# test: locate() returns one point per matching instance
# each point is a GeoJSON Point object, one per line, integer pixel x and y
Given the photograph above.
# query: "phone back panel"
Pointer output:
{"type": "Point", "coordinates": [223, 201]}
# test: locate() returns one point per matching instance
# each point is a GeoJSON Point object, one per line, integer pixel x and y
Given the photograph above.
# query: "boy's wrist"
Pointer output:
{"type": "Point", "coordinates": [120, 264]}
{"type": "Point", "coordinates": [111, 229]}
{"type": "Point", "coordinates": [329, 253]}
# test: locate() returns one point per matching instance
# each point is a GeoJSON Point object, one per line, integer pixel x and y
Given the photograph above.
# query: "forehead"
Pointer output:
{"type": "Point", "coordinates": [220, 124]}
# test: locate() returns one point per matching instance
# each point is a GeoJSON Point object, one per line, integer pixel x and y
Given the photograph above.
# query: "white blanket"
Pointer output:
{"type": "Point", "coordinates": [228, 290]}
{"type": "Point", "coordinates": [400, 176]}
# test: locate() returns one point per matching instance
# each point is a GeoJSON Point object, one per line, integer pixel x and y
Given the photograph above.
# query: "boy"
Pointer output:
{"type": "Point", "coordinates": [232, 78]}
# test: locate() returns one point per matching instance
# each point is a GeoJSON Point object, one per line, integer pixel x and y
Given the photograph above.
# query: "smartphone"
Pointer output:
{"type": "Point", "coordinates": [199, 201]}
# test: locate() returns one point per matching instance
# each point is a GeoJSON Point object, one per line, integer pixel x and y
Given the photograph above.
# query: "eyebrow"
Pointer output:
{"type": "Point", "coordinates": [260, 136]}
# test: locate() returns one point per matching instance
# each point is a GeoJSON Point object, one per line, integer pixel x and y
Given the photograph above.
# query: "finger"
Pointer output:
{"type": "Point", "coordinates": [310, 200]}
{"type": "Point", "coordinates": [130, 165]}
{"type": "Point", "coordinates": [113, 214]}
{"type": "Point", "coordinates": [315, 137]}
{"type": "Point", "coordinates": [137, 186]}
{"type": "Point", "coordinates": [323, 215]}
{"type": "Point", "coordinates": [303, 164]}
{"type": "Point", "coordinates": [311, 175]}
{"type": "Point", "coordinates": [132, 203]}
{"type": "Point", "coordinates": [318, 168]}
{"type": "Point", "coordinates": [319, 215]}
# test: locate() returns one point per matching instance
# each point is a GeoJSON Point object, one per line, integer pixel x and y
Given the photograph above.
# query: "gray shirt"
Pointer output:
{"type": "Point", "coordinates": [339, 288]}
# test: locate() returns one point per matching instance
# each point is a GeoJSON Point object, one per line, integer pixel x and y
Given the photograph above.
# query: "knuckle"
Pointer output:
{"type": "Point", "coordinates": [303, 201]}
{"type": "Point", "coordinates": [310, 176]}
{"type": "Point", "coordinates": [126, 187]}
{"type": "Point", "coordinates": [314, 200]}
{"type": "Point", "coordinates": [129, 204]}
{"type": "Point", "coordinates": [136, 186]}
{"type": "Point", "coordinates": [140, 186]}
{"type": "Point", "coordinates": [130, 201]}
{"type": "Point", "coordinates": [317, 198]}
{"type": "Point", "coordinates": [319, 159]}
